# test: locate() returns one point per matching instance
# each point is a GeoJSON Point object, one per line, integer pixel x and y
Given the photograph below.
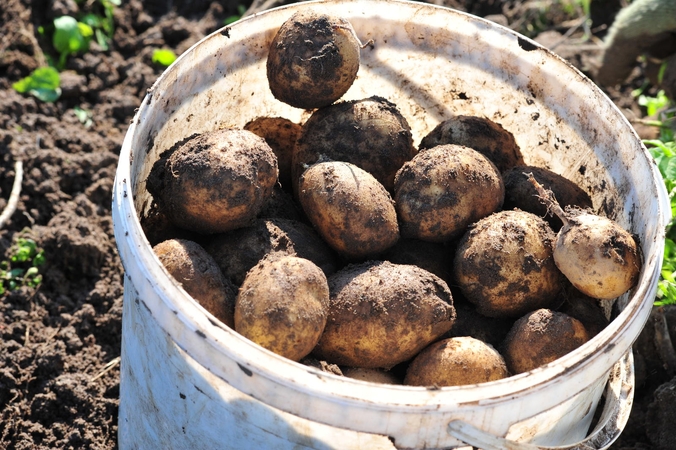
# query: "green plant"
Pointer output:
{"type": "Point", "coordinates": [21, 269]}
{"type": "Point", "coordinates": [84, 116]}
{"type": "Point", "coordinates": [70, 37]}
{"type": "Point", "coordinates": [241, 9]}
{"type": "Point", "coordinates": [163, 57]}
{"type": "Point", "coordinates": [103, 25]}
{"type": "Point", "coordinates": [43, 83]}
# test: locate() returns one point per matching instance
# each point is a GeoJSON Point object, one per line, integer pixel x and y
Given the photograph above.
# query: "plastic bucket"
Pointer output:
{"type": "Point", "coordinates": [188, 381]}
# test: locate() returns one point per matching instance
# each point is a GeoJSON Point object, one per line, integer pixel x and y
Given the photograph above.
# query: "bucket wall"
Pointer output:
{"type": "Point", "coordinates": [190, 382]}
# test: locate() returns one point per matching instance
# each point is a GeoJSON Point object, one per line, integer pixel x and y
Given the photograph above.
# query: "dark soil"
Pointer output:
{"type": "Point", "coordinates": [60, 342]}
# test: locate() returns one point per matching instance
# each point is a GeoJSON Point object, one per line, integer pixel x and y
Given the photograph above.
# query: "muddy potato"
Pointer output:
{"type": "Point", "coordinates": [282, 205]}
{"type": "Point", "coordinates": [598, 256]}
{"type": "Point", "coordinates": [313, 60]}
{"type": "Point", "coordinates": [281, 135]}
{"type": "Point", "coordinates": [371, 375]}
{"type": "Point", "coordinates": [282, 305]}
{"type": "Point", "coordinates": [349, 208]}
{"type": "Point", "coordinates": [370, 133]}
{"type": "Point", "coordinates": [238, 251]}
{"type": "Point", "coordinates": [199, 275]}
{"type": "Point", "coordinates": [431, 256]}
{"type": "Point", "coordinates": [504, 265]}
{"type": "Point", "coordinates": [481, 134]}
{"type": "Point", "coordinates": [541, 337]}
{"type": "Point", "coordinates": [491, 330]}
{"type": "Point", "coordinates": [443, 190]}
{"type": "Point", "coordinates": [520, 192]}
{"type": "Point", "coordinates": [382, 314]}
{"type": "Point", "coordinates": [214, 182]}
{"type": "Point", "coordinates": [455, 362]}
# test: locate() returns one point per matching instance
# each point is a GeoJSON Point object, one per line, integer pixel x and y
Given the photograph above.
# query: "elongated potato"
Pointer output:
{"type": "Point", "coordinates": [282, 305]}
{"type": "Point", "coordinates": [505, 266]}
{"type": "Point", "coordinates": [382, 314]}
{"type": "Point", "coordinates": [443, 190]}
{"type": "Point", "coordinates": [214, 182]}
{"type": "Point", "coordinates": [455, 362]}
{"type": "Point", "coordinates": [349, 208]}
{"type": "Point", "coordinates": [313, 60]}
{"type": "Point", "coordinates": [200, 276]}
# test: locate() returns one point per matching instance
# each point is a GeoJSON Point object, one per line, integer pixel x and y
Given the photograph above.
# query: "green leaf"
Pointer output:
{"type": "Point", "coordinates": [42, 83]}
{"type": "Point", "coordinates": [164, 57]}
{"type": "Point", "coordinates": [71, 36]}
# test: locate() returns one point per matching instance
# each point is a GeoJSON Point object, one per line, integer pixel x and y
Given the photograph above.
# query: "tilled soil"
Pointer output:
{"type": "Point", "coordinates": [60, 342]}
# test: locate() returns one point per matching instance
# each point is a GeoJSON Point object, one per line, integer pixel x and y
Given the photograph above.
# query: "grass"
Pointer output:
{"type": "Point", "coordinates": [22, 267]}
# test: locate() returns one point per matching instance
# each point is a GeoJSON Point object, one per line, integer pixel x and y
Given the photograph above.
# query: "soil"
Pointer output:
{"type": "Point", "coordinates": [60, 341]}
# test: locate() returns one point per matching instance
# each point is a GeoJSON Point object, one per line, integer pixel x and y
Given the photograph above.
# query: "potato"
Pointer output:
{"type": "Point", "coordinates": [349, 208]}
{"type": "Point", "coordinates": [443, 190]}
{"type": "Point", "coordinates": [520, 193]}
{"type": "Point", "coordinates": [281, 135]}
{"type": "Point", "coordinates": [491, 330]}
{"type": "Point", "coordinates": [282, 205]}
{"type": "Point", "coordinates": [370, 133]}
{"type": "Point", "coordinates": [282, 305]}
{"type": "Point", "coordinates": [599, 257]}
{"type": "Point", "coordinates": [541, 337]}
{"type": "Point", "coordinates": [455, 362]}
{"type": "Point", "coordinates": [313, 60]}
{"type": "Point", "coordinates": [585, 309]}
{"type": "Point", "coordinates": [371, 375]}
{"type": "Point", "coordinates": [199, 275]}
{"type": "Point", "coordinates": [214, 182]}
{"type": "Point", "coordinates": [504, 265]}
{"type": "Point", "coordinates": [382, 314]}
{"type": "Point", "coordinates": [238, 251]}
{"type": "Point", "coordinates": [431, 256]}
{"type": "Point", "coordinates": [480, 134]}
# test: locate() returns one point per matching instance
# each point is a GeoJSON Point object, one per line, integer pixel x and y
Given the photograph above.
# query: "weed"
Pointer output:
{"type": "Point", "coordinates": [241, 9]}
{"type": "Point", "coordinates": [42, 83]}
{"type": "Point", "coordinates": [163, 57]}
{"type": "Point", "coordinates": [21, 269]}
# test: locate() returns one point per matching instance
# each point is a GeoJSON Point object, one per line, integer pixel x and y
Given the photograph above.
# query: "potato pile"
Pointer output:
{"type": "Point", "coordinates": [339, 244]}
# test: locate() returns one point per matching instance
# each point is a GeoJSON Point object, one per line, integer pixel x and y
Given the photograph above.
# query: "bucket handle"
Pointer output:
{"type": "Point", "coordinates": [619, 399]}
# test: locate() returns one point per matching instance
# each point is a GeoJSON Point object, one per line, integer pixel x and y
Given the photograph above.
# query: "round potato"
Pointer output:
{"type": "Point", "coordinates": [520, 193]}
{"type": "Point", "coordinates": [505, 266]}
{"type": "Point", "coordinates": [431, 256]}
{"type": "Point", "coordinates": [443, 190]}
{"type": "Point", "coordinates": [370, 133]}
{"type": "Point", "coordinates": [214, 182]}
{"type": "Point", "coordinates": [382, 314]}
{"type": "Point", "coordinates": [282, 305]}
{"type": "Point", "coordinates": [541, 337]}
{"type": "Point", "coordinates": [313, 60]}
{"type": "Point", "coordinates": [455, 362]}
{"type": "Point", "coordinates": [281, 135]}
{"type": "Point", "coordinates": [199, 275]}
{"type": "Point", "coordinates": [238, 251]}
{"type": "Point", "coordinates": [349, 208]}
{"type": "Point", "coordinates": [480, 134]}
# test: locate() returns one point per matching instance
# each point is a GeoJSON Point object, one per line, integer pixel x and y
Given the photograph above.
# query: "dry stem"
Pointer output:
{"type": "Point", "coordinates": [547, 198]}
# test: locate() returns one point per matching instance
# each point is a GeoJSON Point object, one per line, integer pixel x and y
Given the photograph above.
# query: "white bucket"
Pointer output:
{"type": "Point", "coordinates": [189, 382]}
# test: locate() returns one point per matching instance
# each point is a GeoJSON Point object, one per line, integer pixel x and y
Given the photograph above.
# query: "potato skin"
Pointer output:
{"type": "Point", "coordinates": [382, 314]}
{"type": "Point", "coordinates": [239, 250]}
{"type": "Point", "coordinates": [349, 208]}
{"type": "Point", "coordinates": [214, 182]}
{"type": "Point", "coordinates": [199, 275]}
{"type": "Point", "coordinates": [455, 362]}
{"type": "Point", "coordinates": [520, 192]}
{"type": "Point", "coordinates": [313, 60]}
{"type": "Point", "coordinates": [480, 134]}
{"type": "Point", "coordinates": [598, 257]}
{"type": "Point", "coordinates": [370, 133]}
{"type": "Point", "coordinates": [281, 135]}
{"type": "Point", "coordinates": [504, 265]}
{"type": "Point", "coordinates": [541, 337]}
{"type": "Point", "coordinates": [282, 305]}
{"type": "Point", "coordinates": [443, 190]}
